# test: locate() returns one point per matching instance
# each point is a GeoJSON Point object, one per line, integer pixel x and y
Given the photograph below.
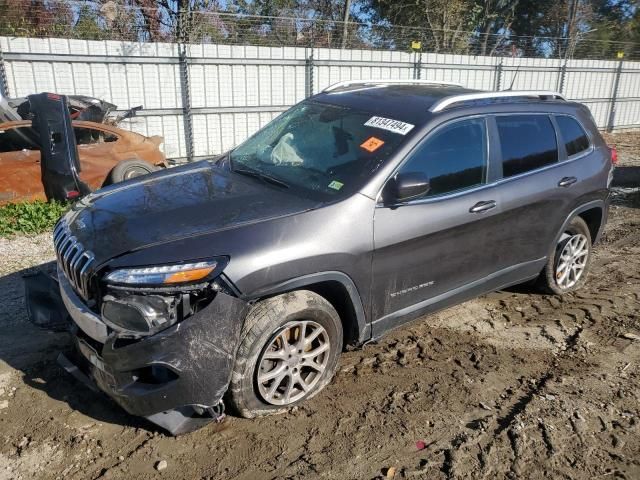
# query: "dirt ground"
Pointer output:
{"type": "Point", "coordinates": [512, 385]}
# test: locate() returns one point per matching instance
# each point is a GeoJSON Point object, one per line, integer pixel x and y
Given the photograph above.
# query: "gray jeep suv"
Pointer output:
{"type": "Point", "coordinates": [361, 208]}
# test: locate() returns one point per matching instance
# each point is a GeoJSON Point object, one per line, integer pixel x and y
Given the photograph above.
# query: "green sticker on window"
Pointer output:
{"type": "Point", "coordinates": [336, 185]}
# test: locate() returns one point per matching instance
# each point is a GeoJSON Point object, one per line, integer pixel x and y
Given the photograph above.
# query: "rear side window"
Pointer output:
{"type": "Point", "coordinates": [574, 136]}
{"type": "Point", "coordinates": [453, 158]}
{"type": "Point", "coordinates": [90, 136]}
{"type": "Point", "coordinates": [528, 142]}
{"type": "Point", "coordinates": [18, 138]}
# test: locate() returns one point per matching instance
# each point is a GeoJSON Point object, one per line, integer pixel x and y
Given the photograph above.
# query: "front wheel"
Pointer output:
{"type": "Point", "coordinates": [288, 352]}
{"type": "Point", "coordinates": [568, 263]}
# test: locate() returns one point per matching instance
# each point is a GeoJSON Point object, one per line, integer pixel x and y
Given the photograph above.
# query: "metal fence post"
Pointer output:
{"type": "Point", "coordinates": [186, 99]}
{"type": "Point", "coordinates": [611, 123]}
{"type": "Point", "coordinates": [4, 84]}
{"type": "Point", "coordinates": [498, 78]}
{"type": "Point", "coordinates": [417, 66]}
{"type": "Point", "coordinates": [563, 74]}
{"type": "Point", "coordinates": [308, 75]}
{"type": "Point", "coordinates": [182, 37]}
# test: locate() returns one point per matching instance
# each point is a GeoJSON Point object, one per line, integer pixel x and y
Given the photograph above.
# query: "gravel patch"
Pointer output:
{"type": "Point", "coordinates": [19, 255]}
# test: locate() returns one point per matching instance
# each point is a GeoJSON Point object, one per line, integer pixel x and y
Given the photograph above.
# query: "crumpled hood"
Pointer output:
{"type": "Point", "coordinates": [181, 202]}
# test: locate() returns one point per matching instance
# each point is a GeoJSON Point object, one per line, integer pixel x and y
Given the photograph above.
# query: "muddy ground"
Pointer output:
{"type": "Point", "coordinates": [512, 385]}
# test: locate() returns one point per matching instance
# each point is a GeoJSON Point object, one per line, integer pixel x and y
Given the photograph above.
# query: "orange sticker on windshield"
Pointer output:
{"type": "Point", "coordinates": [371, 144]}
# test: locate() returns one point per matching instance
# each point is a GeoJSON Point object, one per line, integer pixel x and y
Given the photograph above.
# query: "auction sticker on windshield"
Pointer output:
{"type": "Point", "coordinates": [372, 144]}
{"type": "Point", "coordinates": [395, 126]}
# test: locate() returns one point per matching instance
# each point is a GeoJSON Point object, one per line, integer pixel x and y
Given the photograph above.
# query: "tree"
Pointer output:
{"type": "Point", "coordinates": [306, 22]}
{"type": "Point", "coordinates": [88, 25]}
{"type": "Point", "coordinates": [35, 18]}
{"type": "Point", "coordinates": [493, 22]}
{"type": "Point", "coordinates": [443, 25]}
{"type": "Point", "coordinates": [615, 27]}
{"type": "Point", "coordinates": [551, 28]}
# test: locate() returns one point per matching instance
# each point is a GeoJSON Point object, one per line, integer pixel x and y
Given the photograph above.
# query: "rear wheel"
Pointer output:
{"type": "Point", "coordinates": [288, 352]}
{"type": "Point", "coordinates": [128, 169]}
{"type": "Point", "coordinates": [568, 263]}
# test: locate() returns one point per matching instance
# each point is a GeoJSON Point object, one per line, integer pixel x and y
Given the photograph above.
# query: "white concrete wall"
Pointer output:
{"type": "Point", "coordinates": [235, 90]}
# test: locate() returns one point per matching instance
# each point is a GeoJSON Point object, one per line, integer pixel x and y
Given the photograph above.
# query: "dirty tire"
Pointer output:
{"type": "Point", "coordinates": [547, 281]}
{"type": "Point", "coordinates": [262, 324]}
{"type": "Point", "coordinates": [128, 169]}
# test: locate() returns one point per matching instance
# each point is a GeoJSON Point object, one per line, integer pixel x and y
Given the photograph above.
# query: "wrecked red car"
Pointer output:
{"type": "Point", "coordinates": [107, 155]}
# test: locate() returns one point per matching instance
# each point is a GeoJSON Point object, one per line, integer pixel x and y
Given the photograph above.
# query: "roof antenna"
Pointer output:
{"type": "Point", "coordinates": [515, 74]}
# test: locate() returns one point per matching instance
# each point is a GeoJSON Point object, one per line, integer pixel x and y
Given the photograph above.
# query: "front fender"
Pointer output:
{"type": "Point", "coordinates": [363, 328]}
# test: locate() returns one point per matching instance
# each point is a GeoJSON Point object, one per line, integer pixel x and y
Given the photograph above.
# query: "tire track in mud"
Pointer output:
{"type": "Point", "coordinates": [106, 469]}
{"type": "Point", "coordinates": [511, 422]}
{"type": "Point", "coordinates": [589, 310]}
{"type": "Point", "coordinates": [560, 321]}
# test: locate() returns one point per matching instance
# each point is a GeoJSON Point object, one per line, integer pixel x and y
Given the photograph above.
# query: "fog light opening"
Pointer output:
{"type": "Point", "coordinates": [154, 375]}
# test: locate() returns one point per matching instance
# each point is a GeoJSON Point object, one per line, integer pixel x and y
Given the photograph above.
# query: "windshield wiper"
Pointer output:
{"type": "Point", "coordinates": [261, 175]}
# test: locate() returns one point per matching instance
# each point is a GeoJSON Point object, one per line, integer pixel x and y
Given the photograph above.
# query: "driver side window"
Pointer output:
{"type": "Point", "coordinates": [454, 158]}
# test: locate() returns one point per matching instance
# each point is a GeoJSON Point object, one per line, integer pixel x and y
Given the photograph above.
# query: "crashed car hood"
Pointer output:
{"type": "Point", "coordinates": [181, 202]}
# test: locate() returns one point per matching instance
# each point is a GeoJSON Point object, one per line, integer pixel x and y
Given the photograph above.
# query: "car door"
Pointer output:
{"type": "Point", "coordinates": [443, 242]}
{"type": "Point", "coordinates": [533, 195]}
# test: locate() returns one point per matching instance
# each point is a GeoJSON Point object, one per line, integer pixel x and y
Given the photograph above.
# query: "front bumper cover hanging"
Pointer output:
{"type": "Point", "coordinates": [175, 378]}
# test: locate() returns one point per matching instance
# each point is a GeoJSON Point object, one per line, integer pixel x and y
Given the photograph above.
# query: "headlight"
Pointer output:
{"type": "Point", "coordinates": [138, 314]}
{"type": "Point", "coordinates": [167, 274]}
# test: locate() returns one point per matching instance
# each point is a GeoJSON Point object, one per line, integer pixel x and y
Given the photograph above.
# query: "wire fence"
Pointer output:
{"type": "Point", "coordinates": [208, 79]}
{"type": "Point", "coordinates": [206, 98]}
{"type": "Point", "coordinates": [150, 21]}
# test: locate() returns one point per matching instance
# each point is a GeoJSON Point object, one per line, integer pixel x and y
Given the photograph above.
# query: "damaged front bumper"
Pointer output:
{"type": "Point", "coordinates": [175, 378]}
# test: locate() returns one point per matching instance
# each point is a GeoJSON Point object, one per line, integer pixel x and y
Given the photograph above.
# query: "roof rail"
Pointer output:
{"type": "Point", "coordinates": [382, 82]}
{"type": "Point", "coordinates": [465, 97]}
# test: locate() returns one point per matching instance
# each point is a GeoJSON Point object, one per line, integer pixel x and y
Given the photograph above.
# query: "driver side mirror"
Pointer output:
{"type": "Point", "coordinates": [406, 186]}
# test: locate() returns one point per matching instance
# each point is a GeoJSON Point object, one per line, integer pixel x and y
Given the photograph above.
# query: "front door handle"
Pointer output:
{"type": "Point", "coordinates": [567, 181]}
{"type": "Point", "coordinates": [483, 206]}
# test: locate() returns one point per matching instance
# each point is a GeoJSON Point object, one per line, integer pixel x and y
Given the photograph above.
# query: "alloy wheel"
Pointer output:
{"type": "Point", "coordinates": [293, 362]}
{"type": "Point", "coordinates": [572, 260]}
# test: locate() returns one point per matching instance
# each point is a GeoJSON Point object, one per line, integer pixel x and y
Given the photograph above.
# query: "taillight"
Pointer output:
{"type": "Point", "coordinates": [614, 154]}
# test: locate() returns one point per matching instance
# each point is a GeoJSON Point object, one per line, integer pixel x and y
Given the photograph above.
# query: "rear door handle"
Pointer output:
{"type": "Point", "coordinates": [567, 181]}
{"type": "Point", "coordinates": [483, 206]}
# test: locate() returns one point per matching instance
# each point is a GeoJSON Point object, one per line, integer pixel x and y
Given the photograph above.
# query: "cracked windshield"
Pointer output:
{"type": "Point", "coordinates": [320, 148]}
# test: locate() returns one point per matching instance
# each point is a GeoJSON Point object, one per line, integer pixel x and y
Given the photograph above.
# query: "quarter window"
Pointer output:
{"type": "Point", "coordinates": [18, 138]}
{"type": "Point", "coordinates": [574, 136]}
{"type": "Point", "coordinates": [90, 136]}
{"type": "Point", "coordinates": [527, 142]}
{"type": "Point", "coordinates": [454, 158]}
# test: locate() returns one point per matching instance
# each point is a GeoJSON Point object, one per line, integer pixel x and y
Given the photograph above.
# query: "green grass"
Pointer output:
{"type": "Point", "coordinates": [29, 218]}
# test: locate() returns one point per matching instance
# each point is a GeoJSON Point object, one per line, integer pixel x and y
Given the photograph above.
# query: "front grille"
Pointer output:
{"type": "Point", "coordinates": [73, 259]}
